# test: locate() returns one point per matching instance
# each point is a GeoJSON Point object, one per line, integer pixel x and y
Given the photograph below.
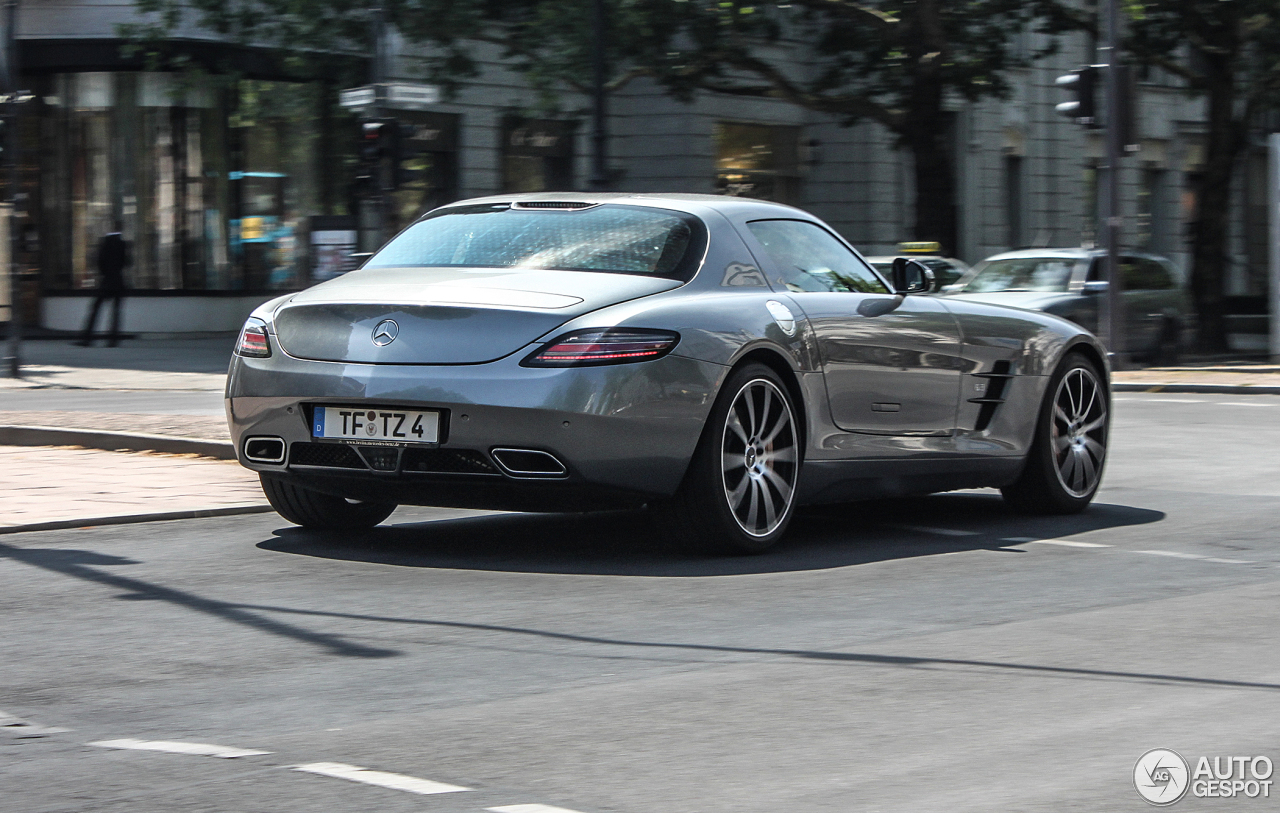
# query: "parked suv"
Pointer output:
{"type": "Point", "coordinates": [1069, 282]}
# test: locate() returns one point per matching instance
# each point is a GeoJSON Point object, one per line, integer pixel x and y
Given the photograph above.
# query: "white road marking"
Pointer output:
{"type": "Point", "coordinates": [938, 531]}
{"type": "Point", "coordinates": [1245, 403]}
{"type": "Point", "coordinates": [529, 809]}
{"type": "Point", "coordinates": [1163, 400]}
{"type": "Point", "coordinates": [395, 781]}
{"type": "Point", "coordinates": [1067, 543]}
{"type": "Point", "coordinates": [196, 748]}
{"type": "Point", "coordinates": [1178, 555]}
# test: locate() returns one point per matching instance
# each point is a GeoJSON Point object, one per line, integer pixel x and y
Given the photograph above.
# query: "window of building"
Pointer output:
{"type": "Point", "coordinates": [1089, 219]}
{"type": "Point", "coordinates": [758, 161]}
{"type": "Point", "coordinates": [537, 155]}
{"type": "Point", "coordinates": [1150, 225]}
{"type": "Point", "coordinates": [429, 150]}
{"type": "Point", "coordinates": [1013, 199]}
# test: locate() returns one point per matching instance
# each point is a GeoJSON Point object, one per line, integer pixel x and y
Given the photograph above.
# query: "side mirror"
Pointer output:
{"type": "Point", "coordinates": [911, 276]}
{"type": "Point", "coordinates": [1095, 286]}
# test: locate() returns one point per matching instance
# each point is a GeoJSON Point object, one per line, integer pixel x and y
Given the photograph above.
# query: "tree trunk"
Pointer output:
{"type": "Point", "coordinates": [1210, 232]}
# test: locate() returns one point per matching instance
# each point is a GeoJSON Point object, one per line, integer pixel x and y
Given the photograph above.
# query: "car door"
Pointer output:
{"type": "Point", "coordinates": [891, 363]}
{"type": "Point", "coordinates": [1149, 294]}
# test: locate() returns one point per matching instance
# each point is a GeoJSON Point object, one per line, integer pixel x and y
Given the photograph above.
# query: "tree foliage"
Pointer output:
{"type": "Point", "coordinates": [901, 63]}
{"type": "Point", "coordinates": [1227, 51]}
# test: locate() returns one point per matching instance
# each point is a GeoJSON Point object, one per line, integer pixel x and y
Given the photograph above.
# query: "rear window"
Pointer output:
{"type": "Point", "coordinates": [610, 239]}
{"type": "Point", "coordinates": [1047, 275]}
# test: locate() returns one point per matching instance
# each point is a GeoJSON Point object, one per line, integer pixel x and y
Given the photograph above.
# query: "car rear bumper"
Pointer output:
{"type": "Point", "coordinates": [622, 433]}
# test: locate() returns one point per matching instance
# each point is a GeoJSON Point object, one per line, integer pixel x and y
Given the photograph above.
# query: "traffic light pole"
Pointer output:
{"type": "Point", "coordinates": [1114, 338]}
{"type": "Point", "coordinates": [13, 351]}
{"type": "Point", "coordinates": [382, 194]}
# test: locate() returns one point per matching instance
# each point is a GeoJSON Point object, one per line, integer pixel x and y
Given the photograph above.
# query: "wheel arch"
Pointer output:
{"type": "Point", "coordinates": [1095, 355]}
{"type": "Point", "coordinates": [779, 364]}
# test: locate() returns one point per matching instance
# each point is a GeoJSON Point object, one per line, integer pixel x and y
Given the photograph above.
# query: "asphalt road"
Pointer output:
{"type": "Point", "coordinates": [936, 654]}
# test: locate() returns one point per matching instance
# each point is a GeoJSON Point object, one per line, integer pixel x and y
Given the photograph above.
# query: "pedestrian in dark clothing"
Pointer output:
{"type": "Point", "coordinates": [113, 258]}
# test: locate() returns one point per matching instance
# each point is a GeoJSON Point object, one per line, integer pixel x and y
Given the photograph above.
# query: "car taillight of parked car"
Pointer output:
{"type": "Point", "coordinates": [253, 340]}
{"type": "Point", "coordinates": [587, 348]}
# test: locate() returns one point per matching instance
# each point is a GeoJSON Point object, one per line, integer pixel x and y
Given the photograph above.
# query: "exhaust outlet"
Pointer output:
{"type": "Point", "coordinates": [529, 463]}
{"type": "Point", "coordinates": [264, 450]}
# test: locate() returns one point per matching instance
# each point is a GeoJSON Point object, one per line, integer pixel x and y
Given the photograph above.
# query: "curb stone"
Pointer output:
{"type": "Point", "coordinates": [1204, 389]}
{"type": "Point", "coordinates": [129, 519]}
{"type": "Point", "coordinates": [114, 441]}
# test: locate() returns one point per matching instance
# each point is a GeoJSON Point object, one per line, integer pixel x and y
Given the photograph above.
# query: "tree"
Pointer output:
{"type": "Point", "coordinates": [1227, 51]}
{"type": "Point", "coordinates": [897, 62]}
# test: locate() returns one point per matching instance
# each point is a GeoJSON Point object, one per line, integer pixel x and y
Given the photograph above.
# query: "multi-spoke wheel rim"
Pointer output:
{"type": "Point", "coordinates": [1079, 432]}
{"type": "Point", "coordinates": [759, 457]}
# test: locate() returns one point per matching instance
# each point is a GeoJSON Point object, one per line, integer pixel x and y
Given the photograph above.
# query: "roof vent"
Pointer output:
{"type": "Point", "coordinates": [552, 204]}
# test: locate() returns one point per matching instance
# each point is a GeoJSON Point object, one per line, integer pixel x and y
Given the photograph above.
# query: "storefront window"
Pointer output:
{"type": "Point", "coordinates": [758, 161]}
{"type": "Point", "coordinates": [537, 155]}
{"type": "Point", "coordinates": [212, 183]}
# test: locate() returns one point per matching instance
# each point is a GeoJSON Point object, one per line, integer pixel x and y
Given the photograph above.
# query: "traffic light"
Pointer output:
{"type": "Point", "coordinates": [1081, 85]}
{"type": "Point", "coordinates": [371, 149]}
{"type": "Point", "coordinates": [371, 140]}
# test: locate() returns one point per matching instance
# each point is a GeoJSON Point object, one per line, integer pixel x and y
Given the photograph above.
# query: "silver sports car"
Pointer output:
{"type": "Point", "coordinates": [720, 360]}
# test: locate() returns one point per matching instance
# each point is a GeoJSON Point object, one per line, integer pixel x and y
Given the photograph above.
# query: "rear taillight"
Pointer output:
{"type": "Point", "coordinates": [587, 348]}
{"type": "Point", "coordinates": [253, 340]}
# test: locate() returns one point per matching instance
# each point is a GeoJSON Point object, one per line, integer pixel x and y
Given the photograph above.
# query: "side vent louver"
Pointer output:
{"type": "Point", "coordinates": [997, 383]}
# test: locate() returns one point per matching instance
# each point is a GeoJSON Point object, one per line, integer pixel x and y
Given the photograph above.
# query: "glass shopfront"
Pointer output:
{"type": "Point", "coordinates": [213, 183]}
{"type": "Point", "coordinates": [537, 155]}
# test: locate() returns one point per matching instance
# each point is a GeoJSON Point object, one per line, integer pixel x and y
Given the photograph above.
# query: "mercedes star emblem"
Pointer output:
{"type": "Point", "coordinates": [384, 333]}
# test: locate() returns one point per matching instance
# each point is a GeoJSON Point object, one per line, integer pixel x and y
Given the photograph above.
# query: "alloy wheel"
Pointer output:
{"type": "Point", "coordinates": [759, 458]}
{"type": "Point", "coordinates": [1079, 433]}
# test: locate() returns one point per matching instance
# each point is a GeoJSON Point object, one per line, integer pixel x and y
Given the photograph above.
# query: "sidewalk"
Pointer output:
{"type": "Point", "coordinates": [166, 397]}
{"type": "Point", "coordinates": [59, 487]}
{"type": "Point", "coordinates": [1235, 378]}
{"type": "Point", "coordinates": [172, 389]}
{"type": "Point", "coordinates": [74, 405]}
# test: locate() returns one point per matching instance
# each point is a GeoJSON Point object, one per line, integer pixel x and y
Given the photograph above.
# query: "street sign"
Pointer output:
{"type": "Point", "coordinates": [404, 94]}
{"type": "Point", "coordinates": [358, 97]}
{"type": "Point", "coordinates": [399, 95]}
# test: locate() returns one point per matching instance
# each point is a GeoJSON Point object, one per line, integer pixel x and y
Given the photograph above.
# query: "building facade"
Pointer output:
{"type": "Point", "coordinates": [231, 190]}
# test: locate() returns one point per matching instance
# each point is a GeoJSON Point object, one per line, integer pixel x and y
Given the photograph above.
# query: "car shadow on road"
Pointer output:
{"type": "Point", "coordinates": [629, 544]}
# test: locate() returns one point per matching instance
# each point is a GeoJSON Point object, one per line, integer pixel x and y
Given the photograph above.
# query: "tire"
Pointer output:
{"type": "Point", "coordinates": [321, 512]}
{"type": "Point", "coordinates": [1068, 452]}
{"type": "Point", "coordinates": [739, 493]}
{"type": "Point", "coordinates": [1166, 351]}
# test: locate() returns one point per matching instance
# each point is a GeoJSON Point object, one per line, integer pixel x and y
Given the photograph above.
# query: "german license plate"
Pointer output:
{"type": "Point", "coordinates": [376, 423]}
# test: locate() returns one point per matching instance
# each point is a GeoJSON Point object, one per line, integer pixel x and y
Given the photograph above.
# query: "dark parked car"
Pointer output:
{"type": "Point", "coordinates": [1069, 282]}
